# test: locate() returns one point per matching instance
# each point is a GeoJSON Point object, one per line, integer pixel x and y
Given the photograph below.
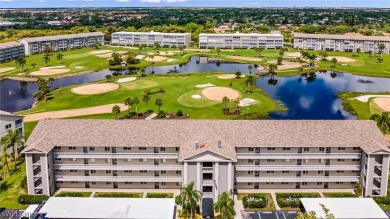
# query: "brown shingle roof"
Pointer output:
{"type": "Point", "coordinates": [184, 134]}
{"type": "Point", "coordinates": [342, 37]}
{"type": "Point", "coordinates": [60, 37]}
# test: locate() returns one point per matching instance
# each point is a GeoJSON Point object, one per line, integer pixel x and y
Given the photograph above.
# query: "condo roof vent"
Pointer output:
{"type": "Point", "coordinates": [196, 145]}
{"type": "Point", "coordinates": [219, 144]}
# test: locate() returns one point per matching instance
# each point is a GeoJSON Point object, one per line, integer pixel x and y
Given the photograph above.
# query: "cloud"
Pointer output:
{"type": "Point", "coordinates": [162, 1]}
{"type": "Point", "coordinates": [6, 0]}
{"type": "Point", "coordinates": [123, 0]}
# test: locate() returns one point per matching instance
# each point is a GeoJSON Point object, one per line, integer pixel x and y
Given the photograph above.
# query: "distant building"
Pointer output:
{"type": "Point", "coordinates": [149, 38]}
{"type": "Point", "coordinates": [34, 45]}
{"type": "Point", "coordinates": [11, 51]}
{"type": "Point", "coordinates": [54, 23]}
{"type": "Point", "coordinates": [10, 121]}
{"type": "Point", "coordinates": [344, 43]}
{"type": "Point", "coordinates": [241, 40]}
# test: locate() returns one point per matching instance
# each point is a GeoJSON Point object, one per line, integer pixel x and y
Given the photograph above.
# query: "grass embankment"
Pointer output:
{"type": "Point", "coordinates": [11, 187]}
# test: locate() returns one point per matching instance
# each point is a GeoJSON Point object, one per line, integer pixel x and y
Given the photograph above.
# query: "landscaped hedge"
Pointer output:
{"type": "Point", "coordinates": [255, 200]}
{"type": "Point", "coordinates": [32, 199]}
{"type": "Point", "coordinates": [292, 199]}
{"type": "Point", "coordinates": [340, 195]}
{"type": "Point", "coordinates": [74, 194]}
{"type": "Point", "coordinates": [118, 194]}
{"type": "Point", "coordinates": [159, 195]}
{"type": "Point", "coordinates": [383, 200]}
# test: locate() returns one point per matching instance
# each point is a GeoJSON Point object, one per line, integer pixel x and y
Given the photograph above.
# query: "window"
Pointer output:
{"type": "Point", "coordinates": [91, 148]}
{"type": "Point", "coordinates": [285, 171]}
{"type": "Point", "coordinates": [341, 148]}
{"type": "Point", "coordinates": [304, 183]}
{"type": "Point", "coordinates": [106, 149]}
{"type": "Point", "coordinates": [250, 161]}
{"type": "Point", "coordinates": [108, 171]}
{"type": "Point", "coordinates": [250, 149]}
{"type": "Point", "coordinates": [57, 148]}
{"type": "Point", "coordinates": [178, 171]}
{"type": "Point", "coordinates": [143, 171]}
{"type": "Point", "coordinates": [269, 183]}
{"type": "Point", "coordinates": [250, 184]}
{"type": "Point", "coordinates": [355, 171]}
{"type": "Point", "coordinates": [320, 172]}
{"type": "Point", "coordinates": [319, 183]}
{"type": "Point", "coordinates": [92, 160]}
{"type": "Point", "coordinates": [127, 148]}
{"type": "Point", "coordinates": [270, 149]}
{"type": "Point", "coordinates": [270, 171]}
{"type": "Point", "coordinates": [72, 159]}
{"type": "Point", "coordinates": [73, 171]}
{"type": "Point", "coordinates": [93, 171]}
{"type": "Point", "coordinates": [58, 171]}
{"type": "Point", "coordinates": [144, 183]}
{"type": "Point", "coordinates": [356, 148]}
{"type": "Point", "coordinates": [162, 149]}
{"type": "Point", "coordinates": [108, 183]}
{"type": "Point", "coordinates": [322, 149]}
{"type": "Point", "coordinates": [108, 160]}
{"type": "Point", "coordinates": [287, 160]}
{"type": "Point", "coordinates": [286, 149]}
{"type": "Point", "coordinates": [128, 183]}
{"type": "Point", "coordinates": [305, 172]}
{"type": "Point", "coordinates": [356, 160]}
{"type": "Point", "coordinates": [93, 183]}
{"type": "Point", "coordinates": [73, 182]}
{"type": "Point", "coordinates": [270, 160]}
{"type": "Point", "coordinates": [128, 171]}
{"type": "Point", "coordinates": [178, 183]}
{"type": "Point", "coordinates": [142, 148]}
{"type": "Point", "coordinates": [339, 183]}
{"type": "Point", "coordinates": [57, 159]}
{"type": "Point", "coordinates": [306, 149]}
{"type": "Point", "coordinates": [177, 149]}
{"type": "Point", "coordinates": [163, 171]}
{"type": "Point", "coordinates": [340, 160]}
{"type": "Point", "coordinates": [285, 183]}
{"type": "Point", "coordinates": [128, 160]}
{"type": "Point", "coordinates": [72, 148]}
{"type": "Point", "coordinates": [8, 126]}
{"type": "Point", "coordinates": [250, 172]}
{"type": "Point", "coordinates": [340, 171]}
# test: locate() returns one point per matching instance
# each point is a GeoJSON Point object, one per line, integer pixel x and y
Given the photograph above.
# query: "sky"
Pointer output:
{"type": "Point", "coordinates": [192, 3]}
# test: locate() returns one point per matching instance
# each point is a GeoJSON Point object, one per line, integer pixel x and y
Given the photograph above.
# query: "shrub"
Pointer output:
{"type": "Point", "coordinates": [179, 113]}
{"type": "Point", "coordinates": [255, 201]}
{"type": "Point", "coordinates": [74, 194]}
{"type": "Point", "coordinates": [23, 183]}
{"type": "Point", "coordinates": [118, 195]}
{"type": "Point", "coordinates": [32, 199]}
{"type": "Point", "coordinates": [293, 199]}
{"type": "Point", "coordinates": [178, 200]}
{"type": "Point", "coordinates": [159, 195]}
{"type": "Point", "coordinates": [340, 195]}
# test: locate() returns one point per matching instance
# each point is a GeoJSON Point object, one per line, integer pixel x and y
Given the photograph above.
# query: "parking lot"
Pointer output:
{"type": "Point", "coordinates": [387, 213]}
{"type": "Point", "coordinates": [272, 214]}
{"type": "Point", "coordinates": [11, 214]}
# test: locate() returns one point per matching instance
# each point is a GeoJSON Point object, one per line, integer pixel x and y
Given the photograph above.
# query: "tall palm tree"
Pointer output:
{"type": "Point", "coordinates": [136, 102]}
{"type": "Point", "coordinates": [158, 103]}
{"type": "Point", "coordinates": [381, 47]}
{"type": "Point", "coordinates": [218, 51]}
{"type": "Point", "coordinates": [224, 206]}
{"type": "Point", "coordinates": [250, 81]}
{"type": "Point", "coordinates": [334, 61]}
{"type": "Point", "coordinates": [59, 57]}
{"type": "Point", "coordinates": [46, 58]}
{"type": "Point", "coordinates": [250, 67]}
{"type": "Point", "coordinates": [128, 103]}
{"type": "Point", "coordinates": [272, 68]}
{"type": "Point", "coordinates": [189, 198]}
{"type": "Point", "coordinates": [225, 101]}
{"type": "Point", "coordinates": [146, 99]}
{"type": "Point", "coordinates": [382, 121]}
{"type": "Point", "coordinates": [13, 139]}
{"type": "Point", "coordinates": [116, 110]}
{"type": "Point", "coordinates": [4, 159]}
{"type": "Point", "coordinates": [50, 80]}
{"type": "Point", "coordinates": [96, 44]}
{"type": "Point", "coordinates": [47, 49]}
{"type": "Point", "coordinates": [21, 61]}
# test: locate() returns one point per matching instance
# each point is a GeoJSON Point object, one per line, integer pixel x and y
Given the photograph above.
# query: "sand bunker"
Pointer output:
{"type": "Point", "coordinates": [204, 85]}
{"type": "Point", "coordinates": [217, 93]}
{"type": "Point", "coordinates": [247, 102]}
{"type": "Point", "coordinates": [244, 58]}
{"type": "Point", "coordinates": [98, 52]}
{"type": "Point", "coordinates": [293, 54]}
{"type": "Point", "coordinates": [341, 59]}
{"type": "Point", "coordinates": [95, 88]}
{"type": "Point", "coordinates": [286, 65]}
{"type": "Point", "coordinates": [78, 67]}
{"type": "Point", "coordinates": [228, 50]}
{"type": "Point", "coordinates": [157, 59]}
{"type": "Point", "coordinates": [109, 55]}
{"type": "Point", "coordinates": [383, 103]}
{"type": "Point", "coordinates": [50, 72]}
{"type": "Point", "coordinates": [365, 98]}
{"type": "Point", "coordinates": [140, 57]}
{"type": "Point", "coordinates": [123, 80]}
{"type": "Point", "coordinates": [6, 69]}
{"type": "Point", "coordinates": [73, 112]}
{"type": "Point", "coordinates": [198, 50]}
{"type": "Point", "coordinates": [229, 76]}
{"type": "Point", "coordinates": [171, 60]}
{"type": "Point", "coordinates": [54, 67]}
{"type": "Point", "coordinates": [196, 96]}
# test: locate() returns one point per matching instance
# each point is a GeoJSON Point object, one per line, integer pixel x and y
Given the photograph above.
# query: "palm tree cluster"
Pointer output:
{"type": "Point", "coordinates": [250, 81]}
{"type": "Point", "coordinates": [224, 207]}
{"type": "Point", "coordinates": [189, 199]}
{"type": "Point", "coordinates": [21, 61]}
{"type": "Point", "coordinates": [43, 90]}
{"type": "Point", "coordinates": [309, 56]}
{"type": "Point", "coordinates": [382, 121]}
{"type": "Point", "coordinates": [13, 139]}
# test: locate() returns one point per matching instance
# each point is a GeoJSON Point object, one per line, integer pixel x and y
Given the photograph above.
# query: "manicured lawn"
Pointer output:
{"type": "Point", "coordinates": [11, 187]}
{"type": "Point", "coordinates": [28, 128]}
{"type": "Point", "coordinates": [270, 204]}
{"type": "Point", "coordinates": [339, 195]}
{"type": "Point", "coordinates": [159, 195]}
{"type": "Point", "coordinates": [74, 194]}
{"type": "Point", "coordinates": [118, 194]}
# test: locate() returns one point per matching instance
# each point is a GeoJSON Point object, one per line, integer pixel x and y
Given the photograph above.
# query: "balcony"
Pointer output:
{"type": "Point", "coordinates": [295, 167]}
{"type": "Point", "coordinates": [116, 167]}
{"type": "Point", "coordinates": [117, 155]}
{"type": "Point", "coordinates": [117, 178]}
{"type": "Point", "coordinates": [207, 169]}
{"type": "Point", "coordinates": [208, 195]}
{"type": "Point", "coordinates": [298, 156]}
{"type": "Point", "coordinates": [300, 179]}
{"type": "Point", "coordinates": [208, 182]}
{"type": "Point", "coordinates": [37, 163]}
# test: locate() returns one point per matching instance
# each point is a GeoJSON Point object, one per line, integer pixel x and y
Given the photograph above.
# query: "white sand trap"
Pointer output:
{"type": "Point", "coordinates": [73, 112]}
{"type": "Point", "coordinates": [247, 102]}
{"type": "Point", "coordinates": [53, 67]}
{"type": "Point", "coordinates": [109, 55]}
{"type": "Point", "coordinates": [95, 88]}
{"type": "Point", "coordinates": [196, 96]}
{"type": "Point", "coordinates": [229, 76]}
{"type": "Point", "coordinates": [157, 59]}
{"type": "Point", "coordinates": [171, 60]}
{"type": "Point", "coordinates": [6, 69]}
{"type": "Point", "coordinates": [341, 59]}
{"type": "Point", "coordinates": [228, 50]}
{"type": "Point", "coordinates": [198, 50]}
{"type": "Point", "coordinates": [50, 72]}
{"type": "Point", "coordinates": [123, 80]}
{"type": "Point", "coordinates": [293, 54]}
{"type": "Point", "coordinates": [98, 52]}
{"type": "Point", "coordinates": [286, 65]}
{"type": "Point", "coordinates": [383, 103]}
{"type": "Point", "coordinates": [365, 98]}
{"type": "Point", "coordinates": [204, 85]}
{"type": "Point", "coordinates": [78, 67]}
{"type": "Point", "coordinates": [244, 58]}
{"type": "Point", "coordinates": [140, 57]}
{"type": "Point", "coordinates": [150, 53]}
{"type": "Point", "coordinates": [217, 93]}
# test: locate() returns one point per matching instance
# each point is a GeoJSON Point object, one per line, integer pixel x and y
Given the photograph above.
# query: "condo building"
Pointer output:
{"type": "Point", "coordinates": [150, 38]}
{"type": "Point", "coordinates": [216, 155]}
{"type": "Point", "coordinates": [10, 121]}
{"type": "Point", "coordinates": [241, 40]}
{"type": "Point", "coordinates": [10, 51]}
{"type": "Point", "coordinates": [34, 45]}
{"type": "Point", "coordinates": [345, 43]}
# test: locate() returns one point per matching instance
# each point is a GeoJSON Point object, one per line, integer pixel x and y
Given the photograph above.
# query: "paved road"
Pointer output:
{"type": "Point", "coordinates": [272, 214]}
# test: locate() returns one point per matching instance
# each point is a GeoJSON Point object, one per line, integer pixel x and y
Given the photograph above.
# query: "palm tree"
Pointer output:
{"type": "Point", "coordinates": [116, 110]}
{"type": "Point", "coordinates": [157, 45]}
{"type": "Point", "coordinates": [47, 49]}
{"type": "Point", "coordinates": [151, 57]}
{"type": "Point", "coordinates": [50, 80]}
{"type": "Point", "coordinates": [4, 159]}
{"type": "Point", "coordinates": [136, 102]}
{"type": "Point", "coordinates": [381, 47]}
{"type": "Point", "coordinates": [250, 67]}
{"type": "Point", "coordinates": [225, 101]}
{"type": "Point", "coordinates": [358, 50]}
{"type": "Point", "coordinates": [300, 61]}
{"type": "Point", "coordinates": [146, 99]}
{"type": "Point", "coordinates": [224, 206]}
{"type": "Point", "coordinates": [218, 51]}
{"type": "Point", "coordinates": [280, 60]}
{"type": "Point", "coordinates": [108, 77]}
{"type": "Point", "coordinates": [238, 74]}
{"type": "Point", "coordinates": [382, 121]}
{"type": "Point", "coordinates": [334, 61]}
{"type": "Point", "coordinates": [250, 81]}
{"type": "Point", "coordinates": [46, 58]}
{"type": "Point", "coordinates": [59, 57]}
{"type": "Point", "coordinates": [21, 61]}
{"type": "Point", "coordinates": [96, 44]}
{"type": "Point", "coordinates": [12, 139]}
{"type": "Point", "coordinates": [128, 103]}
{"type": "Point", "coordinates": [272, 68]}
{"type": "Point", "coordinates": [158, 103]}
{"type": "Point", "coordinates": [189, 198]}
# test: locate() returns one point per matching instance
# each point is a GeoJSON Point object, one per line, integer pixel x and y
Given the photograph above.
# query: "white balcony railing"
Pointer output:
{"type": "Point", "coordinates": [37, 163]}
{"type": "Point", "coordinates": [117, 155]}
{"type": "Point", "coordinates": [208, 169]}
{"type": "Point", "coordinates": [296, 167]}
{"type": "Point", "coordinates": [118, 178]}
{"type": "Point", "coordinates": [116, 167]}
{"type": "Point", "coordinates": [300, 179]}
{"type": "Point", "coordinates": [208, 195]}
{"type": "Point", "coordinates": [298, 156]}
{"type": "Point", "coordinates": [208, 182]}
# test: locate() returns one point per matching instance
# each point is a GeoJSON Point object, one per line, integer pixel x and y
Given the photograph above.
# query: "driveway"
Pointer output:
{"type": "Point", "coordinates": [11, 214]}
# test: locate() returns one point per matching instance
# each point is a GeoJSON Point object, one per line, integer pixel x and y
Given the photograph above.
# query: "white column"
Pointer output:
{"type": "Point", "coordinates": [230, 176]}
{"type": "Point", "coordinates": [185, 173]}
{"type": "Point", "coordinates": [198, 177]}
{"type": "Point", "coordinates": [216, 178]}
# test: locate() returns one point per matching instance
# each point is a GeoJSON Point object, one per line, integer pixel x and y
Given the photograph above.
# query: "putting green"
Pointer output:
{"type": "Point", "coordinates": [187, 100]}
{"type": "Point", "coordinates": [139, 84]}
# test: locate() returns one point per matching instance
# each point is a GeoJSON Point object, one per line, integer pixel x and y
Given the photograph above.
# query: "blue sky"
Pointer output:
{"type": "Point", "coordinates": [192, 3]}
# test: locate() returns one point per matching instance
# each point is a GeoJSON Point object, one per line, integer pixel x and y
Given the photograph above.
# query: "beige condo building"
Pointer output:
{"type": "Point", "coordinates": [150, 38]}
{"type": "Point", "coordinates": [240, 40]}
{"type": "Point", "coordinates": [216, 155]}
{"type": "Point", "coordinates": [10, 51]}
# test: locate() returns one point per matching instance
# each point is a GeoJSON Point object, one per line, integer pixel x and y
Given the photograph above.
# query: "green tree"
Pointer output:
{"type": "Point", "coordinates": [358, 189]}
{"type": "Point", "coordinates": [381, 47]}
{"type": "Point", "coordinates": [250, 81]}
{"type": "Point", "coordinates": [50, 80]}
{"type": "Point", "coordinates": [116, 110]}
{"type": "Point", "coordinates": [272, 68]}
{"type": "Point", "coordinates": [128, 103]}
{"type": "Point", "coordinates": [96, 44]}
{"type": "Point", "coordinates": [312, 214]}
{"type": "Point", "coordinates": [250, 67]}
{"type": "Point", "coordinates": [59, 57]}
{"type": "Point", "coordinates": [358, 50]}
{"type": "Point", "coordinates": [324, 55]}
{"type": "Point", "coordinates": [5, 159]}
{"type": "Point", "coordinates": [334, 61]}
{"type": "Point", "coordinates": [33, 65]}
{"type": "Point", "coordinates": [382, 121]}
{"type": "Point", "coordinates": [136, 102]}
{"type": "Point", "coordinates": [237, 74]}
{"type": "Point", "coordinates": [279, 60]}
{"type": "Point", "coordinates": [218, 51]}
{"type": "Point", "coordinates": [46, 58]}
{"type": "Point", "coordinates": [225, 206]}
{"type": "Point", "coordinates": [158, 103]}
{"type": "Point", "coordinates": [225, 101]}
{"type": "Point", "coordinates": [108, 77]}
{"type": "Point", "coordinates": [157, 45]}
{"type": "Point", "coordinates": [42, 91]}
{"type": "Point", "coordinates": [379, 59]}
{"type": "Point", "coordinates": [47, 49]}
{"type": "Point", "coordinates": [13, 139]}
{"type": "Point", "coordinates": [21, 61]}
{"type": "Point", "coordinates": [189, 199]}
{"type": "Point", "coordinates": [146, 99]}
